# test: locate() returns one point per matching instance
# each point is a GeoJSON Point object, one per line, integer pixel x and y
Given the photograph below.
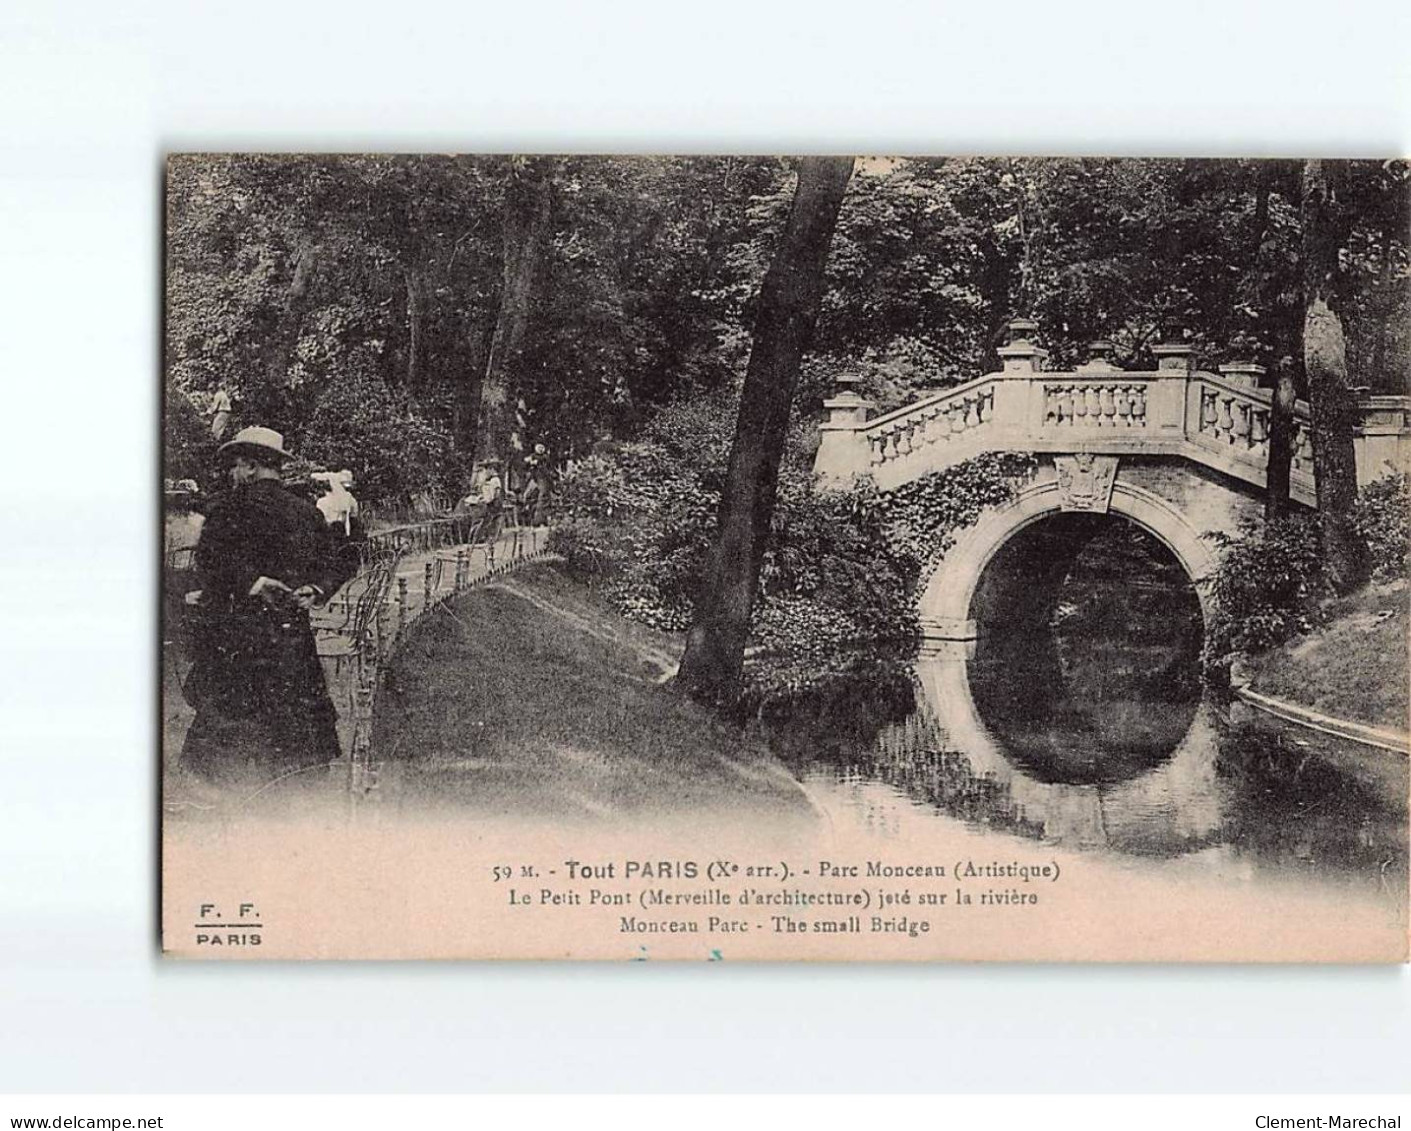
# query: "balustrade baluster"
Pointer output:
{"type": "Point", "coordinates": [1240, 431]}
{"type": "Point", "coordinates": [1106, 405]}
{"type": "Point", "coordinates": [932, 432]}
{"type": "Point", "coordinates": [1226, 423]}
{"type": "Point", "coordinates": [1259, 427]}
{"type": "Point", "coordinates": [1208, 412]}
{"type": "Point", "coordinates": [1122, 405]}
{"type": "Point", "coordinates": [1138, 404]}
{"type": "Point", "coordinates": [972, 412]}
{"type": "Point", "coordinates": [1302, 447]}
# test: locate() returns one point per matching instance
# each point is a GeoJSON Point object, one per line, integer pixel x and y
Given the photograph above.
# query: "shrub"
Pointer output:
{"type": "Point", "coordinates": [838, 585]}
{"type": "Point", "coordinates": [393, 451]}
{"type": "Point", "coordinates": [1266, 589]}
{"type": "Point", "coordinates": [189, 449]}
{"type": "Point", "coordinates": [634, 519]}
{"type": "Point", "coordinates": [837, 599]}
{"type": "Point", "coordinates": [1383, 519]}
{"type": "Point", "coordinates": [923, 516]}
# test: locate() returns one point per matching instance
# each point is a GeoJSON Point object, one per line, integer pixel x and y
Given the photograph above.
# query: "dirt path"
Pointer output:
{"type": "Point", "coordinates": [665, 661]}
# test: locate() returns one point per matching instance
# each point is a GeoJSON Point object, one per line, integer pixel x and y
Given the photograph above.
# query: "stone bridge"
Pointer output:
{"type": "Point", "coordinates": [1180, 452]}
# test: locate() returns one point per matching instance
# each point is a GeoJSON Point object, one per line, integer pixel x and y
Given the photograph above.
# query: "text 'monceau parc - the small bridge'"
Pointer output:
{"type": "Point", "coordinates": [1180, 452]}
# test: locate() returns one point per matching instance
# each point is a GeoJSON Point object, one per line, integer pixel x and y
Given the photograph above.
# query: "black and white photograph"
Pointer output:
{"type": "Point", "coordinates": [785, 558]}
{"type": "Point", "coordinates": [736, 565]}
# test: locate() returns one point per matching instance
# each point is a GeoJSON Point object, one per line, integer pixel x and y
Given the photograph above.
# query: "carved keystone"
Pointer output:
{"type": "Point", "coordinates": [1085, 481]}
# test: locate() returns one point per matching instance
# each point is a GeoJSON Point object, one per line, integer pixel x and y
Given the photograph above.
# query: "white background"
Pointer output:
{"type": "Point", "coordinates": [92, 95]}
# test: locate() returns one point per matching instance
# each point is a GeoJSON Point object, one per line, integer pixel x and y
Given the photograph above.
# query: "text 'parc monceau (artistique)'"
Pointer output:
{"type": "Point", "coordinates": [718, 896]}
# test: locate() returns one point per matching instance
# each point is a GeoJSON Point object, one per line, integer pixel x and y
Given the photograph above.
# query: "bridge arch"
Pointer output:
{"type": "Point", "coordinates": [945, 603]}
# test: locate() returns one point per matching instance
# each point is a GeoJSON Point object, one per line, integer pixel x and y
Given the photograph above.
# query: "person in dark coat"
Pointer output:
{"type": "Point", "coordinates": [263, 560]}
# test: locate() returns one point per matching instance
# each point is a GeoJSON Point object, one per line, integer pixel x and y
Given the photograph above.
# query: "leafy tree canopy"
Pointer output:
{"type": "Point", "coordinates": [293, 279]}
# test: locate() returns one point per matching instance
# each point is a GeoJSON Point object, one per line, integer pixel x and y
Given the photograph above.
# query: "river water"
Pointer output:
{"type": "Point", "coordinates": [1078, 721]}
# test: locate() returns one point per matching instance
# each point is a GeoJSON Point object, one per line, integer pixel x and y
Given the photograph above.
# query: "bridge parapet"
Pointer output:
{"type": "Point", "coordinates": [1218, 420]}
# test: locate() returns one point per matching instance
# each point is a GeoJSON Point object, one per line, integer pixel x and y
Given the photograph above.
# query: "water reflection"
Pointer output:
{"type": "Point", "coordinates": [1088, 730]}
{"type": "Point", "coordinates": [1172, 805]}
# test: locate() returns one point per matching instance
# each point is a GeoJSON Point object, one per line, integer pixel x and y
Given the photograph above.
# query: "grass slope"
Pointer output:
{"type": "Point", "coordinates": [1354, 667]}
{"type": "Point", "coordinates": [528, 696]}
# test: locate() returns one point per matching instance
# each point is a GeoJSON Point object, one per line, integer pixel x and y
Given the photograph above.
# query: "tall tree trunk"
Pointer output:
{"type": "Point", "coordinates": [1281, 406]}
{"type": "Point", "coordinates": [1285, 393]}
{"type": "Point", "coordinates": [526, 232]}
{"type": "Point", "coordinates": [1263, 189]}
{"type": "Point", "coordinates": [789, 299]}
{"type": "Point", "coordinates": [1331, 400]}
{"type": "Point", "coordinates": [1026, 242]}
{"type": "Point", "coordinates": [416, 327]}
{"type": "Point", "coordinates": [465, 398]}
{"type": "Point", "coordinates": [285, 338]}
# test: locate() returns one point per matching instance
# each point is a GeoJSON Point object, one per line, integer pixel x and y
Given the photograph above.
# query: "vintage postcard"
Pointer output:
{"type": "Point", "coordinates": [745, 558]}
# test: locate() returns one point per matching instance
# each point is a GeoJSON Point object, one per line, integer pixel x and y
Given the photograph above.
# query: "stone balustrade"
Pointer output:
{"type": "Point", "coordinates": [936, 421]}
{"type": "Point", "coordinates": [1218, 420]}
{"type": "Point", "coordinates": [1099, 404]}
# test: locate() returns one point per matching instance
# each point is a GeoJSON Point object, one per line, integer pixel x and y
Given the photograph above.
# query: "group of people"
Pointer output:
{"type": "Point", "coordinates": [264, 557]}
{"type": "Point", "coordinates": [260, 558]}
{"type": "Point", "coordinates": [488, 495]}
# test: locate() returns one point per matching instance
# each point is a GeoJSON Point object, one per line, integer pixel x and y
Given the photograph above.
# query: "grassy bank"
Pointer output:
{"type": "Point", "coordinates": [529, 696]}
{"type": "Point", "coordinates": [1354, 667]}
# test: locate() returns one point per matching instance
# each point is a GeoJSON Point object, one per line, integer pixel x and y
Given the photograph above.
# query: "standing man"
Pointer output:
{"type": "Point", "coordinates": [221, 409]}
{"type": "Point", "coordinates": [263, 560]}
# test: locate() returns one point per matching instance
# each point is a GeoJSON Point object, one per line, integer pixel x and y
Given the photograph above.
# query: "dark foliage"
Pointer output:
{"type": "Point", "coordinates": [1383, 520]}
{"type": "Point", "coordinates": [1266, 590]}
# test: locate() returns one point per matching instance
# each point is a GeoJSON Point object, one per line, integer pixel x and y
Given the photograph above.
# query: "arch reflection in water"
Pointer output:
{"type": "Point", "coordinates": [1083, 694]}
{"type": "Point", "coordinates": [1086, 666]}
{"type": "Point", "coordinates": [1172, 807]}
{"type": "Point", "coordinates": [1079, 718]}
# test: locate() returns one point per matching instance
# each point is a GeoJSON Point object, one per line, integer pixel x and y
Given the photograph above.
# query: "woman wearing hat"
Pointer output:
{"type": "Point", "coordinates": [264, 559]}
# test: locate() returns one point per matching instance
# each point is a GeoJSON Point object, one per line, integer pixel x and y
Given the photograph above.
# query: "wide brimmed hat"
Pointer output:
{"type": "Point", "coordinates": [257, 441]}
